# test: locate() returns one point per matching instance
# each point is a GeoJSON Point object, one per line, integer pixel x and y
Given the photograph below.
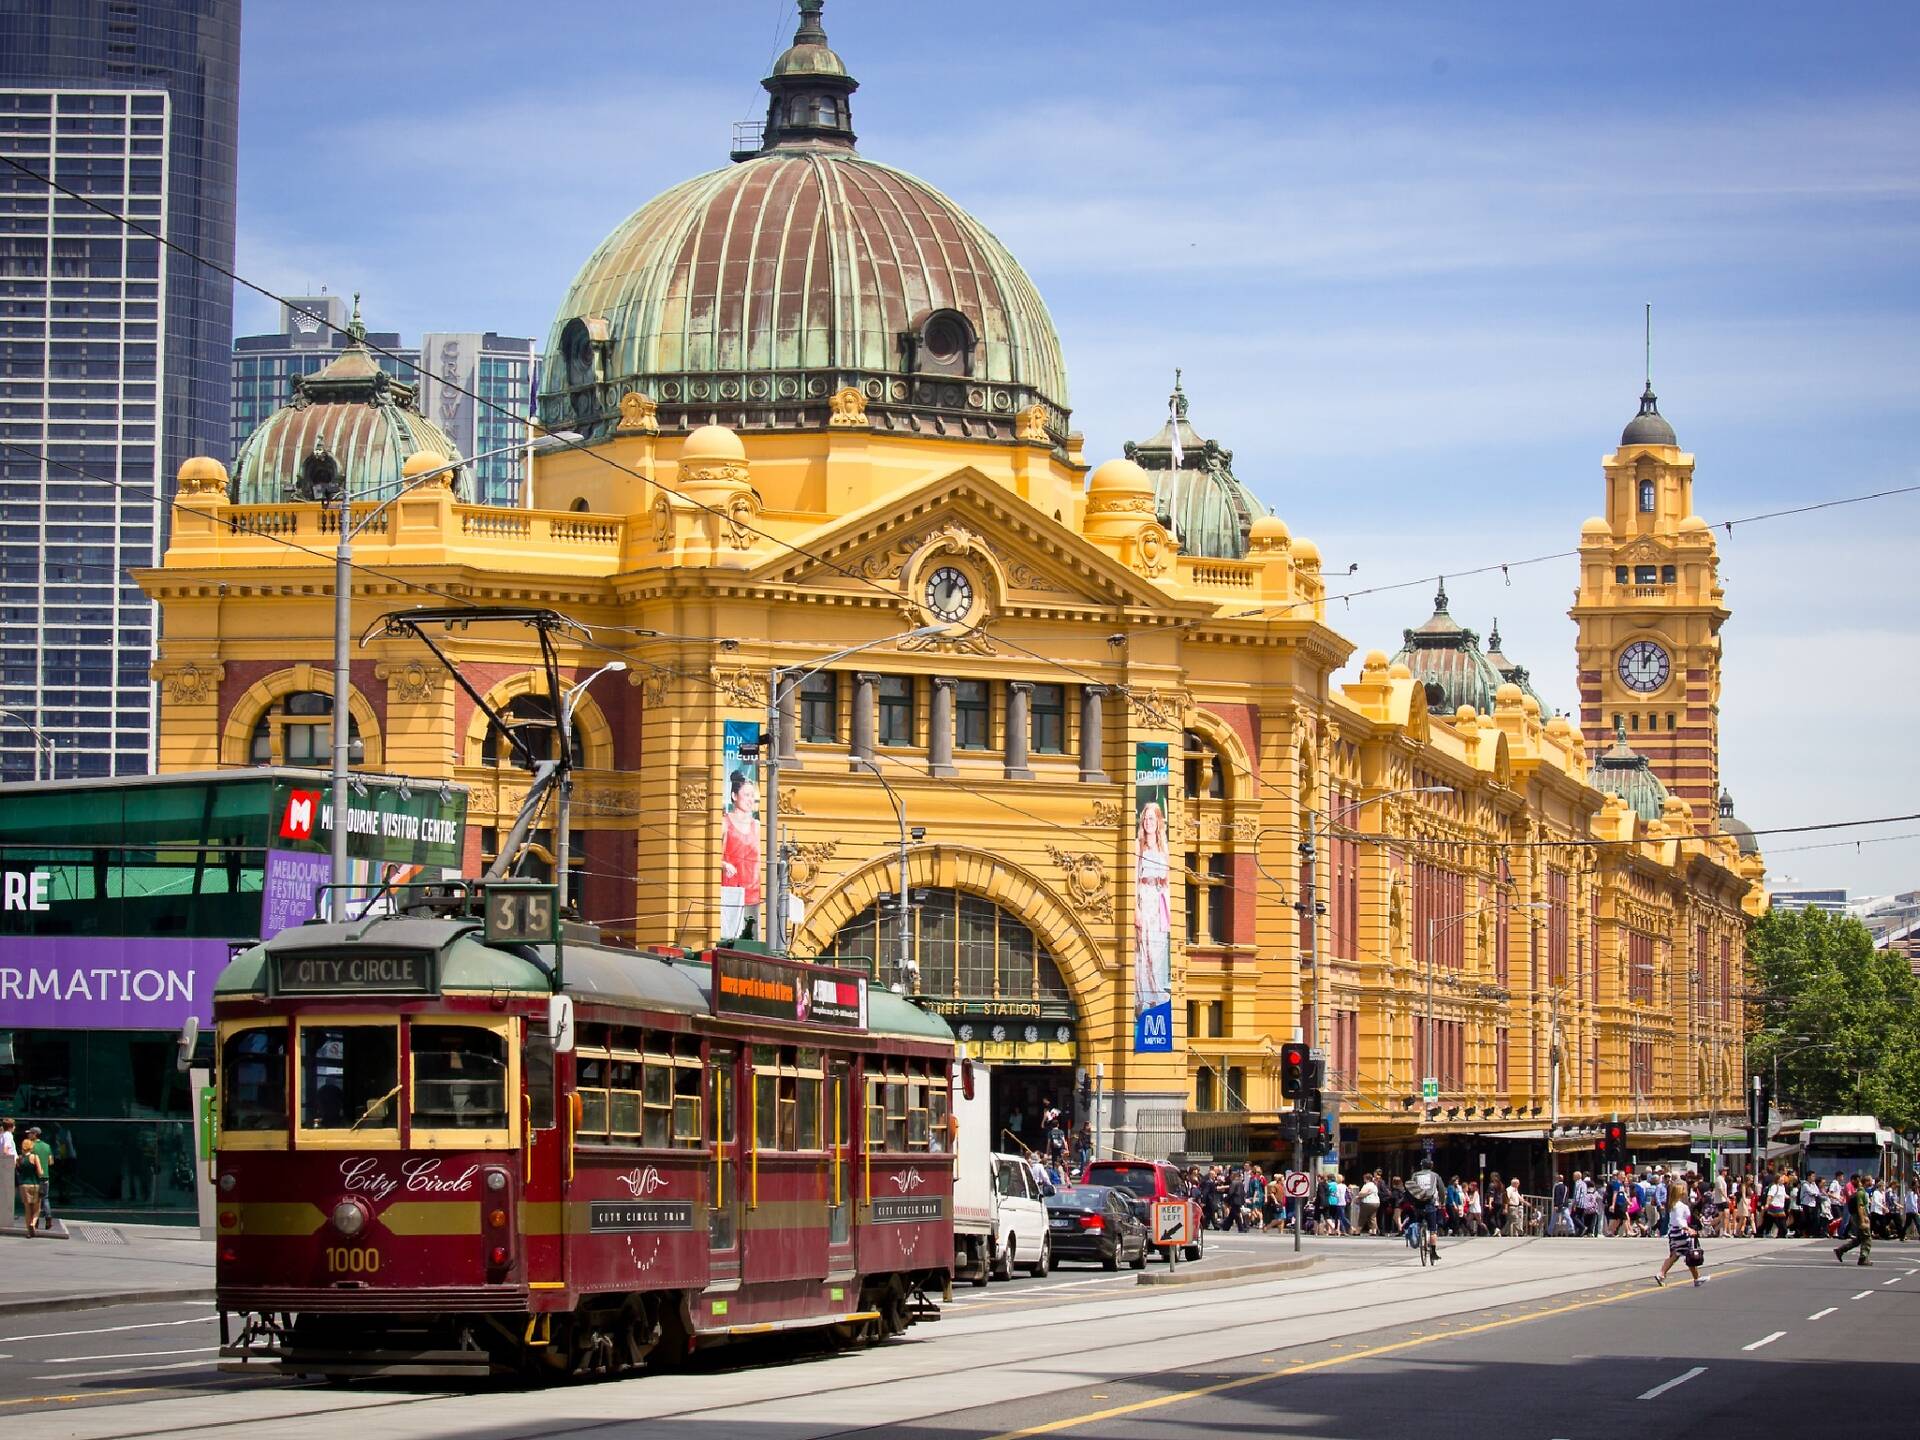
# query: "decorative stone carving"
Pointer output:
{"type": "Point", "coordinates": [696, 790]}
{"type": "Point", "coordinates": [1086, 884]}
{"type": "Point", "coordinates": [638, 415]}
{"type": "Point", "coordinates": [714, 470]}
{"type": "Point", "coordinates": [1023, 576]}
{"type": "Point", "coordinates": [1397, 916]}
{"type": "Point", "coordinates": [957, 642]}
{"type": "Point", "coordinates": [1120, 504]}
{"type": "Point", "coordinates": [805, 861]}
{"type": "Point", "coordinates": [410, 682]}
{"type": "Point", "coordinates": [655, 685]}
{"type": "Point", "coordinates": [1153, 550]}
{"type": "Point", "coordinates": [1030, 424]}
{"type": "Point", "coordinates": [849, 409]}
{"type": "Point", "coordinates": [203, 475]}
{"type": "Point", "coordinates": [665, 525]}
{"type": "Point", "coordinates": [740, 686]}
{"type": "Point", "coordinates": [190, 684]}
{"type": "Point", "coordinates": [1159, 709]}
{"type": "Point", "coordinates": [1107, 816]}
{"type": "Point", "coordinates": [790, 803]}
{"type": "Point", "coordinates": [739, 515]}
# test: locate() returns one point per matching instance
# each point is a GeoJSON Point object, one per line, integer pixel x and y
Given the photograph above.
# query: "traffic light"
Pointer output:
{"type": "Point", "coordinates": [1614, 1140]}
{"type": "Point", "coordinates": [1294, 1064]}
{"type": "Point", "coordinates": [1316, 1074]}
{"type": "Point", "coordinates": [1320, 1137]}
{"type": "Point", "coordinates": [1309, 1122]}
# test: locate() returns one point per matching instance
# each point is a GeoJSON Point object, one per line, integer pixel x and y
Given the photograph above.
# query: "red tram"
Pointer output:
{"type": "Point", "coordinates": [431, 1160]}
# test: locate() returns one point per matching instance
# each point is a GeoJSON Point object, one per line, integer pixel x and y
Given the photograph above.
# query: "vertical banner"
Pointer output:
{"type": "Point", "coordinates": [1152, 909]}
{"type": "Point", "coordinates": [740, 868]}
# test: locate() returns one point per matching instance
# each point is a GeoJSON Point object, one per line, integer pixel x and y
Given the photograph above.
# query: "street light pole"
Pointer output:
{"type": "Point", "coordinates": [563, 835]}
{"type": "Point", "coordinates": [903, 963]}
{"type": "Point", "coordinates": [322, 473]}
{"type": "Point", "coordinates": [40, 739]}
{"type": "Point", "coordinates": [780, 685]}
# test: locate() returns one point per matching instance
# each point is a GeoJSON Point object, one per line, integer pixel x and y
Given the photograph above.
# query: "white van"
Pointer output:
{"type": "Point", "coordinates": [999, 1218]}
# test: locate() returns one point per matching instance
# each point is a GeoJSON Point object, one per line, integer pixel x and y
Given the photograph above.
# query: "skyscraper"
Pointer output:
{"type": "Point", "coordinates": [114, 351]}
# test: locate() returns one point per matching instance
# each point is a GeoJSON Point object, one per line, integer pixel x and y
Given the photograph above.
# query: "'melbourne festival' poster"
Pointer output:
{"type": "Point", "coordinates": [1152, 913]}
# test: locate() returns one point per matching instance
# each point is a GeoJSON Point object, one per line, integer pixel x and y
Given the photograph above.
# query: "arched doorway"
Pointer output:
{"type": "Point", "coordinates": [983, 968]}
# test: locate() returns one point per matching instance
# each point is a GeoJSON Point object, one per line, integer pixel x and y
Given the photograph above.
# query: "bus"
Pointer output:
{"type": "Point", "coordinates": [1844, 1145]}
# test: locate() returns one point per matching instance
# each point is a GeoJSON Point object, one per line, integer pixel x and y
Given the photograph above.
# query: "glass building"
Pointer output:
{"type": "Point", "coordinates": [114, 352]}
{"type": "Point", "coordinates": [498, 368]}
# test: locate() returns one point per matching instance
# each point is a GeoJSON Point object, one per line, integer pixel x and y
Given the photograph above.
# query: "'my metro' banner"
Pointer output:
{"type": "Point", "coordinates": [1152, 910]}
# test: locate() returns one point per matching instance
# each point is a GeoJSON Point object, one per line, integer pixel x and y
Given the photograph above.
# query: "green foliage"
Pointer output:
{"type": "Point", "coordinates": [1841, 1017]}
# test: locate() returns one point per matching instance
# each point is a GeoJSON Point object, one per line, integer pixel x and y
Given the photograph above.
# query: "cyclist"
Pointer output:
{"type": "Point", "coordinates": [1425, 1189]}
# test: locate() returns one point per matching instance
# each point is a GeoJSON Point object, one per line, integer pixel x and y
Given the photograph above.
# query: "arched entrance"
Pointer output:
{"type": "Point", "coordinates": [994, 977]}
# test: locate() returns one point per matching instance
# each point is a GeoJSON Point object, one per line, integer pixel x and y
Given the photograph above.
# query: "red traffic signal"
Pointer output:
{"type": "Point", "coordinates": [1294, 1059]}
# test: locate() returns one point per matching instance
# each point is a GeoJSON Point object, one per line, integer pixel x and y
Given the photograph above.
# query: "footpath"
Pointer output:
{"type": "Point", "coordinates": [95, 1265]}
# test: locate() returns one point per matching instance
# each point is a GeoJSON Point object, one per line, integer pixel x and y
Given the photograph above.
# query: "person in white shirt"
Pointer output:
{"type": "Point", "coordinates": [1367, 1207]}
{"type": "Point", "coordinates": [8, 1150]}
{"type": "Point", "coordinates": [1683, 1241]}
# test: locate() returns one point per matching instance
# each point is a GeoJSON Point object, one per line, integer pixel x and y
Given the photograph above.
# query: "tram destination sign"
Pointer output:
{"type": "Point", "coordinates": [606, 1217]}
{"type": "Point", "coordinates": [336, 974]}
{"type": "Point", "coordinates": [788, 990]}
{"type": "Point", "coordinates": [907, 1210]}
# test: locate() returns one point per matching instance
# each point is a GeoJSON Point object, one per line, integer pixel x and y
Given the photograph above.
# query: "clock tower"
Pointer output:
{"type": "Point", "coordinates": [1649, 611]}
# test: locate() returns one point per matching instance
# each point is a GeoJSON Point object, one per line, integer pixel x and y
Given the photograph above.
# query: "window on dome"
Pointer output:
{"type": "Point", "coordinates": [826, 111]}
{"type": "Point", "coordinates": [944, 344]}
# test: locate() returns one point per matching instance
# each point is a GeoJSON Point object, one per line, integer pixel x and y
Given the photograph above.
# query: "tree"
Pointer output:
{"type": "Point", "coordinates": [1841, 1018]}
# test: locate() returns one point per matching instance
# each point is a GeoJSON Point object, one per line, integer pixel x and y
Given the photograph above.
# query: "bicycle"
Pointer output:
{"type": "Point", "coordinates": [1420, 1238]}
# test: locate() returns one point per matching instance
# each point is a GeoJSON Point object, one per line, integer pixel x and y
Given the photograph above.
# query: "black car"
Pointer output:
{"type": "Point", "coordinates": [1096, 1222]}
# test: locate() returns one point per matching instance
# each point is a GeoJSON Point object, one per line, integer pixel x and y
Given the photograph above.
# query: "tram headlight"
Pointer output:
{"type": "Point", "coordinates": [228, 1181]}
{"type": "Point", "coordinates": [496, 1179]}
{"type": "Point", "coordinates": [349, 1217]}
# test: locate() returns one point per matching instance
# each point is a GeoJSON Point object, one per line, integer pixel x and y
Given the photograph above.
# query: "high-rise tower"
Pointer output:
{"type": "Point", "coordinates": [1650, 608]}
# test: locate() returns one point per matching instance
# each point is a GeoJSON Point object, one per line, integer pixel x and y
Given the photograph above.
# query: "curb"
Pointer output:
{"type": "Point", "coordinates": [56, 1303]}
{"type": "Point", "coordinates": [1231, 1272]}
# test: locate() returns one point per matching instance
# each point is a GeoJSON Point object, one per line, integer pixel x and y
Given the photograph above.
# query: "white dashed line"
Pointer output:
{"type": "Point", "coordinates": [1657, 1391]}
{"type": "Point", "coordinates": [1767, 1340]}
{"type": "Point", "coordinates": [128, 1370]}
{"type": "Point", "coordinates": [1894, 1281]}
{"type": "Point", "coordinates": [1863, 1294]}
{"type": "Point", "coordinates": [134, 1355]}
{"type": "Point", "coordinates": [108, 1330]}
{"type": "Point", "coordinates": [1822, 1314]}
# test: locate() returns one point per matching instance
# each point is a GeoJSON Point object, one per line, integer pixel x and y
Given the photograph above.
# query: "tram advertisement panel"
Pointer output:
{"type": "Point", "coordinates": [769, 989]}
{"type": "Point", "coordinates": [1152, 911]}
{"type": "Point", "coordinates": [740, 868]}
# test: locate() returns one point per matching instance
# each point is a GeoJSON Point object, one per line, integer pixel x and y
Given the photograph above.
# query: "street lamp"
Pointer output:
{"type": "Point", "coordinates": [904, 966]}
{"type": "Point", "coordinates": [40, 738]}
{"type": "Point", "coordinates": [324, 480]}
{"type": "Point", "coordinates": [562, 834]}
{"type": "Point", "coordinates": [780, 686]}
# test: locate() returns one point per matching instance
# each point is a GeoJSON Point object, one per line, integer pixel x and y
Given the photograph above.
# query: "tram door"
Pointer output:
{"type": "Point", "coordinates": [840, 1168]}
{"type": "Point", "coordinates": [723, 1187]}
{"type": "Point", "coordinates": [548, 1118]}
{"type": "Point", "coordinates": [785, 1184]}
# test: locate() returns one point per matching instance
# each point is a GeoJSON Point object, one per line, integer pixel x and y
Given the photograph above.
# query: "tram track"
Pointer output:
{"type": "Point", "coordinates": [345, 1403]}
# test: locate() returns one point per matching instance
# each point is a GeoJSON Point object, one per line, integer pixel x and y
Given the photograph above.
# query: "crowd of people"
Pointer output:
{"type": "Point", "coordinates": [1249, 1197]}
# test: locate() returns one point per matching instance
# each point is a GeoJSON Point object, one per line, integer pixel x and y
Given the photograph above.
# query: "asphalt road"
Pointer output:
{"type": "Point", "coordinates": [1514, 1339]}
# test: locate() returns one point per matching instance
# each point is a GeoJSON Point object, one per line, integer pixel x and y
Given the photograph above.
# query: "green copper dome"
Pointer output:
{"type": "Point", "coordinates": [1195, 493]}
{"type": "Point", "coordinates": [1625, 772]}
{"type": "Point", "coordinates": [748, 295]}
{"type": "Point", "coordinates": [1445, 657]}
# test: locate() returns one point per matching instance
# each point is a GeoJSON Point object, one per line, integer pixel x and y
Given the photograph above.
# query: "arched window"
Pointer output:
{"type": "Point", "coordinates": [297, 729]}
{"type": "Point", "coordinates": [827, 111]}
{"type": "Point", "coordinates": [531, 718]}
{"type": "Point", "coordinates": [966, 947]}
{"type": "Point", "coordinates": [1646, 497]}
{"type": "Point", "coordinates": [1206, 768]}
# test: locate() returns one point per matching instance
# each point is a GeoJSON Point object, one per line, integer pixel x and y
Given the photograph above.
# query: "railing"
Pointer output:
{"type": "Point", "coordinates": [582, 531]}
{"type": "Point", "coordinates": [492, 524]}
{"type": "Point", "coordinates": [1222, 574]}
{"type": "Point", "coordinates": [1219, 1133]}
{"type": "Point", "coordinates": [511, 524]}
{"type": "Point", "coordinates": [263, 520]}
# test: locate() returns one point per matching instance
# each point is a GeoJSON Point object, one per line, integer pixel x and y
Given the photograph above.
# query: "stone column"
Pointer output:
{"type": "Point", "coordinates": [1092, 735]}
{"type": "Point", "coordinates": [788, 739]}
{"type": "Point", "coordinates": [940, 727]}
{"type": "Point", "coordinates": [865, 685]}
{"type": "Point", "coordinates": [1019, 728]}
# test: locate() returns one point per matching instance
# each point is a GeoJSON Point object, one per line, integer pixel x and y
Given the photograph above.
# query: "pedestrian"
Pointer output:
{"type": "Point", "coordinates": [1367, 1207]}
{"type": "Point", "coordinates": [1496, 1204]}
{"type": "Point", "coordinates": [1877, 1211]}
{"type": "Point", "coordinates": [1562, 1221]}
{"type": "Point", "coordinates": [30, 1181]}
{"type": "Point", "coordinates": [1776, 1208]}
{"type": "Point", "coordinates": [1683, 1240]}
{"type": "Point", "coordinates": [1860, 1212]}
{"type": "Point", "coordinates": [1516, 1208]}
{"type": "Point", "coordinates": [1910, 1213]}
{"type": "Point", "coordinates": [1476, 1210]}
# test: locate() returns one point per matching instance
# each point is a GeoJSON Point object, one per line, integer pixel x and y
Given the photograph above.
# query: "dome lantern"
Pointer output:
{"type": "Point", "coordinates": [808, 90]}
{"type": "Point", "coordinates": [1196, 495]}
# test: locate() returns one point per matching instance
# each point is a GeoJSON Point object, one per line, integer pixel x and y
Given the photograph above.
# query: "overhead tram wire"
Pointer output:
{"type": "Point", "coordinates": [798, 550]}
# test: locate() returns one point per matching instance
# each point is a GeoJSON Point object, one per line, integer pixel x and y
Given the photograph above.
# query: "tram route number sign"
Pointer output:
{"type": "Point", "coordinates": [620, 1216]}
{"type": "Point", "coordinates": [522, 914]}
{"type": "Point", "coordinates": [1298, 1183]}
{"type": "Point", "coordinates": [1172, 1222]}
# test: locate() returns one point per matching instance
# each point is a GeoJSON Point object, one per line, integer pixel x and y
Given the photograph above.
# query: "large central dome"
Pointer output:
{"type": "Point", "coordinates": [749, 295]}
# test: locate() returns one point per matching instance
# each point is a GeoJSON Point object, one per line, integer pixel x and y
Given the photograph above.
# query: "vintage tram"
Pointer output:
{"type": "Point", "coordinates": [438, 1155]}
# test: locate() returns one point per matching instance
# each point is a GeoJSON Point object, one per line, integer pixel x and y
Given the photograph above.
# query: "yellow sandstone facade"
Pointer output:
{"type": "Point", "coordinates": [706, 538]}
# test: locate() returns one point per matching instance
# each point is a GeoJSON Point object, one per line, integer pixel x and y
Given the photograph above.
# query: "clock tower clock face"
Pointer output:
{"type": "Point", "coordinates": [1644, 667]}
{"type": "Point", "coordinates": [949, 594]}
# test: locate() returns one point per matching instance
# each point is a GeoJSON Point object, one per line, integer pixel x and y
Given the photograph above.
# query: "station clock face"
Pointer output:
{"type": "Point", "coordinates": [1644, 667]}
{"type": "Point", "coordinates": [949, 594]}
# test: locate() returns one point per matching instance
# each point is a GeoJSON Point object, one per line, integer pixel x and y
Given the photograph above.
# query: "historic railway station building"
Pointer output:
{"type": "Point", "coordinates": [821, 407]}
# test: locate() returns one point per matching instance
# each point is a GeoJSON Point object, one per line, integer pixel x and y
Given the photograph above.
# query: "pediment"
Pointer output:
{"type": "Point", "coordinates": [1037, 562]}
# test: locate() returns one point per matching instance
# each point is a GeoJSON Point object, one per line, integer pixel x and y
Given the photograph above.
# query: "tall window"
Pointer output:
{"type": "Point", "coordinates": [297, 729]}
{"type": "Point", "coordinates": [820, 708]}
{"type": "Point", "coordinates": [1502, 937]}
{"type": "Point", "coordinates": [972, 714]}
{"type": "Point", "coordinates": [896, 710]}
{"type": "Point", "coordinates": [1726, 976]}
{"type": "Point", "coordinates": [530, 717]}
{"type": "Point", "coordinates": [966, 947]}
{"type": "Point", "coordinates": [1640, 968]}
{"type": "Point", "coordinates": [1557, 927]}
{"type": "Point", "coordinates": [1346, 1050]}
{"type": "Point", "coordinates": [1049, 716]}
{"type": "Point", "coordinates": [1640, 1067]}
{"type": "Point", "coordinates": [1646, 497]}
{"type": "Point", "coordinates": [1500, 1059]}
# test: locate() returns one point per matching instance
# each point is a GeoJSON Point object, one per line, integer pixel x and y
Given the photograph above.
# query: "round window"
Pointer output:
{"type": "Point", "coordinates": [946, 337]}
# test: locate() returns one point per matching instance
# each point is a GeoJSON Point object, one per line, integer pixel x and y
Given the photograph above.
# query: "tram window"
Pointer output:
{"type": "Point", "coordinates": [459, 1077]}
{"type": "Point", "coordinates": [591, 1072]}
{"type": "Point", "coordinates": [937, 1114]}
{"type": "Point", "coordinates": [896, 1113]}
{"type": "Point", "coordinates": [349, 1077]}
{"type": "Point", "coordinates": [766, 1110]}
{"type": "Point", "coordinates": [253, 1079]}
{"type": "Point", "coordinates": [657, 1129]}
{"type": "Point", "coordinates": [686, 1106]}
{"type": "Point", "coordinates": [537, 1062]}
{"type": "Point", "coordinates": [623, 1095]}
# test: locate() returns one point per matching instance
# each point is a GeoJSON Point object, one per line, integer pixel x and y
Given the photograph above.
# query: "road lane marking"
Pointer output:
{"type": "Point", "coordinates": [108, 1330]}
{"type": "Point", "coordinates": [1822, 1314]}
{"type": "Point", "coordinates": [1767, 1340]}
{"type": "Point", "coordinates": [132, 1355]}
{"type": "Point", "coordinates": [75, 1399]}
{"type": "Point", "coordinates": [1657, 1391]}
{"type": "Point", "coordinates": [1894, 1281]}
{"type": "Point", "coordinates": [124, 1370]}
{"type": "Point", "coordinates": [1863, 1295]}
{"type": "Point", "coordinates": [1201, 1392]}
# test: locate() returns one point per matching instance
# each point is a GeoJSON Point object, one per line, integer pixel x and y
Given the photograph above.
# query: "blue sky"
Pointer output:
{"type": "Point", "coordinates": [1399, 250]}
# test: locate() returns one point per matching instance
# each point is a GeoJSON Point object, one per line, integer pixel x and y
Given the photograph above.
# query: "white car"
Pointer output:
{"type": "Point", "coordinates": [1019, 1220]}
